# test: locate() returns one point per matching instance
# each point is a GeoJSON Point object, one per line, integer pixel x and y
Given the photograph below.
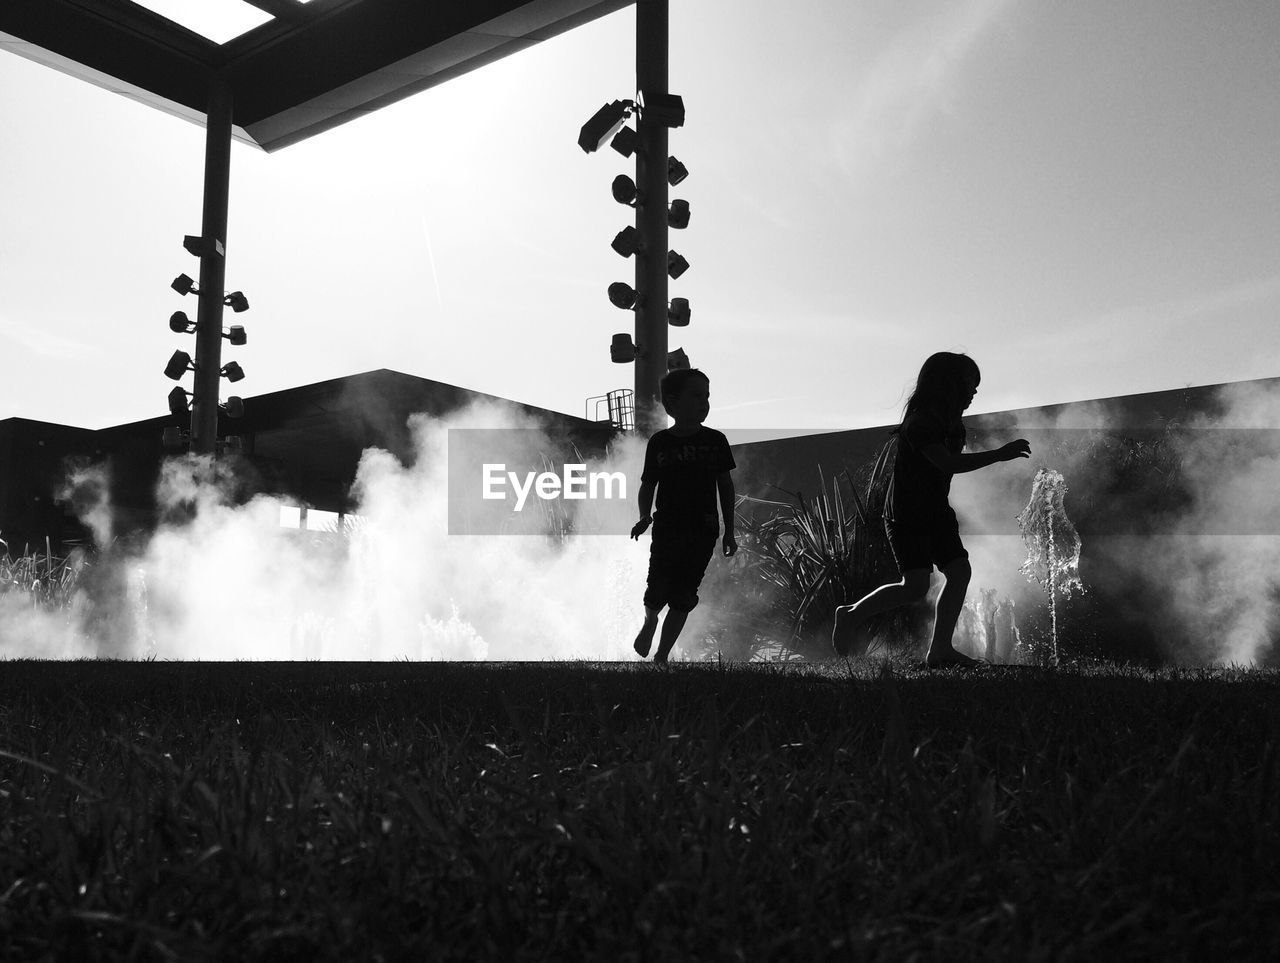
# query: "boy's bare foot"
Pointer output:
{"type": "Point", "coordinates": [950, 660]}
{"type": "Point", "coordinates": [845, 630]}
{"type": "Point", "coordinates": [644, 638]}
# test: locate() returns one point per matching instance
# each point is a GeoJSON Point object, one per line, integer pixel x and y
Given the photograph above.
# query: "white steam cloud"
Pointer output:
{"type": "Point", "coordinates": [219, 580]}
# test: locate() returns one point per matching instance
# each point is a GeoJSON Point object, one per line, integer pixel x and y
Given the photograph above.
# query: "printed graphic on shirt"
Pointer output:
{"type": "Point", "coordinates": [685, 471]}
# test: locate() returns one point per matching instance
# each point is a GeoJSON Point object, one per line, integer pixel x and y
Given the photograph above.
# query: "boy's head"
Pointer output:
{"type": "Point", "coordinates": [685, 393]}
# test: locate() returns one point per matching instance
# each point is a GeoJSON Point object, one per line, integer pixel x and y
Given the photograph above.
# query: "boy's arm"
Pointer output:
{"type": "Point", "coordinates": [646, 504]}
{"type": "Point", "coordinates": [953, 464]}
{"type": "Point", "coordinates": [648, 485]}
{"type": "Point", "coordinates": [724, 483]}
{"type": "Point", "coordinates": [646, 499]}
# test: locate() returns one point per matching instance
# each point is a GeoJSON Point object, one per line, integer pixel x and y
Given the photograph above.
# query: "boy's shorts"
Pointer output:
{"type": "Point", "coordinates": [937, 543]}
{"type": "Point", "coordinates": [677, 561]}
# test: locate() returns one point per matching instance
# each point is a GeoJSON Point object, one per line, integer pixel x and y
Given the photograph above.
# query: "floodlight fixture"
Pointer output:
{"type": "Point", "coordinates": [664, 109]}
{"type": "Point", "coordinates": [235, 334]}
{"type": "Point", "coordinates": [627, 241]}
{"type": "Point", "coordinates": [236, 301]}
{"type": "Point", "coordinates": [604, 123]}
{"type": "Point", "coordinates": [623, 295]}
{"type": "Point", "coordinates": [625, 141]}
{"type": "Point", "coordinates": [621, 350]}
{"type": "Point", "coordinates": [178, 402]}
{"type": "Point", "coordinates": [234, 408]}
{"type": "Point", "coordinates": [180, 323]}
{"type": "Point", "coordinates": [178, 365]}
{"type": "Point", "coordinates": [232, 371]}
{"type": "Point", "coordinates": [676, 265]}
{"type": "Point", "coordinates": [624, 191]}
{"type": "Point", "coordinates": [677, 359]}
{"type": "Point", "coordinates": [676, 172]}
{"type": "Point", "coordinates": [678, 312]}
{"type": "Point", "coordinates": [678, 214]}
{"type": "Point", "coordinates": [202, 246]}
{"type": "Point", "coordinates": [184, 285]}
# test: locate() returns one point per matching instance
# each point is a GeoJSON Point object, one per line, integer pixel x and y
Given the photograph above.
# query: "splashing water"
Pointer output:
{"type": "Point", "coordinates": [988, 629]}
{"type": "Point", "coordinates": [622, 605]}
{"type": "Point", "coordinates": [1053, 545]}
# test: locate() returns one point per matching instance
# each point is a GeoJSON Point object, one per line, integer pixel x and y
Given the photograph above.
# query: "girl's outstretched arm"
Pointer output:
{"type": "Point", "coordinates": [952, 464]}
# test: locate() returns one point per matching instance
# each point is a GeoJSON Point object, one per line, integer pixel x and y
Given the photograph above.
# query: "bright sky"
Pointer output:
{"type": "Point", "coordinates": [1083, 196]}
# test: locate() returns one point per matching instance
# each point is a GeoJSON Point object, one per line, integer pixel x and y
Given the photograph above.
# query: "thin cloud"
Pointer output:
{"type": "Point", "coordinates": [431, 259]}
{"type": "Point", "coordinates": [756, 404]}
{"type": "Point", "coordinates": [1166, 314]}
{"type": "Point", "coordinates": [912, 81]}
{"type": "Point", "coordinates": [41, 341]}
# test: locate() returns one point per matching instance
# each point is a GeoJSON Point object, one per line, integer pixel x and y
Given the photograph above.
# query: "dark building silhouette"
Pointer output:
{"type": "Point", "coordinates": [33, 457]}
{"type": "Point", "coordinates": [791, 464]}
{"type": "Point", "coordinates": [304, 443]}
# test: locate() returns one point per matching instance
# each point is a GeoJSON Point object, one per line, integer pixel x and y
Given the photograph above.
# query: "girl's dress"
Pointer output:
{"type": "Point", "coordinates": [921, 525]}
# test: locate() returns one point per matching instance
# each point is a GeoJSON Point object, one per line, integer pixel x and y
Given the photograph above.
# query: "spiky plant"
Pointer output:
{"type": "Point", "coordinates": [821, 552]}
{"type": "Point", "coordinates": [48, 580]}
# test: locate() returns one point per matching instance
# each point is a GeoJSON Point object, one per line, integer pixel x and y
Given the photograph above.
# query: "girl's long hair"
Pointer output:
{"type": "Point", "coordinates": [937, 389]}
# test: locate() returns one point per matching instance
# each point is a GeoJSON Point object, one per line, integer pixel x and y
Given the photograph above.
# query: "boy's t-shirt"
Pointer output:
{"type": "Point", "coordinates": [685, 470]}
{"type": "Point", "coordinates": [918, 490]}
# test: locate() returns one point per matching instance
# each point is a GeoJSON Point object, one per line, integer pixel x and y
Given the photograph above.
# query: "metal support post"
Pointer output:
{"type": "Point", "coordinates": [208, 357]}
{"type": "Point", "coordinates": [651, 217]}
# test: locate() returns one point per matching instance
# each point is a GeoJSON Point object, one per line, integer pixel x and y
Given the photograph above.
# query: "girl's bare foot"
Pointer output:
{"type": "Point", "coordinates": [950, 659]}
{"type": "Point", "coordinates": [644, 638]}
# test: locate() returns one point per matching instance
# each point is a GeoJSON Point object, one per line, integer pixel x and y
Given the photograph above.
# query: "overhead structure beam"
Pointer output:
{"type": "Point", "coordinates": [309, 69]}
{"type": "Point", "coordinates": [288, 11]}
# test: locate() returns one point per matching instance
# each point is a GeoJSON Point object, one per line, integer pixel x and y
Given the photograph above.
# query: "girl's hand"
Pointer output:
{"type": "Point", "coordinates": [1015, 449]}
{"type": "Point", "coordinates": [639, 528]}
{"type": "Point", "coordinates": [730, 546]}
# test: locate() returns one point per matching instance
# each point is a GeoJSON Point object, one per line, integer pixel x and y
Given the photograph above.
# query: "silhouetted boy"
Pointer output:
{"type": "Point", "coordinates": [687, 464]}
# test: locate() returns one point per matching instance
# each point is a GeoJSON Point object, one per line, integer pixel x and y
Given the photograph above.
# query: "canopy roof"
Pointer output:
{"type": "Point", "coordinates": [309, 67]}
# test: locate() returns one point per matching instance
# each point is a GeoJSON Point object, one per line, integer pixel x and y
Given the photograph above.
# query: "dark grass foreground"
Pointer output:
{"type": "Point", "coordinates": [216, 811]}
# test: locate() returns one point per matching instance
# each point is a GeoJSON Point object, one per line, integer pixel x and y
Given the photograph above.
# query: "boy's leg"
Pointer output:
{"type": "Point", "coordinates": [941, 652]}
{"type": "Point", "coordinates": [671, 627]}
{"type": "Point", "coordinates": [686, 575]}
{"type": "Point", "coordinates": [657, 590]}
{"type": "Point", "coordinates": [644, 638]}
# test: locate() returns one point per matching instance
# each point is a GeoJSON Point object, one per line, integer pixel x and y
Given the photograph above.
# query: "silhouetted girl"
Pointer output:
{"type": "Point", "coordinates": [920, 523]}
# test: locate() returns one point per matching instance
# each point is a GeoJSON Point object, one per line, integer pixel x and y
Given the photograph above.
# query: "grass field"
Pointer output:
{"type": "Point", "coordinates": [301, 811]}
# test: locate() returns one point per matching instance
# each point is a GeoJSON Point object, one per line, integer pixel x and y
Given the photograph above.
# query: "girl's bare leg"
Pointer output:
{"type": "Point", "coordinates": [950, 602]}
{"type": "Point", "coordinates": [913, 586]}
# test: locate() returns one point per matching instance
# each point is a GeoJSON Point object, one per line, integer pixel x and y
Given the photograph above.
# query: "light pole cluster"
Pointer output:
{"type": "Point", "coordinates": [181, 362]}
{"type": "Point", "coordinates": [655, 112]}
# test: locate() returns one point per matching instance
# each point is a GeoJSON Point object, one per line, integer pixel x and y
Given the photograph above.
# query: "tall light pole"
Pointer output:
{"type": "Point", "coordinates": [655, 110]}
{"type": "Point", "coordinates": [213, 269]}
{"type": "Point", "coordinates": [651, 216]}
